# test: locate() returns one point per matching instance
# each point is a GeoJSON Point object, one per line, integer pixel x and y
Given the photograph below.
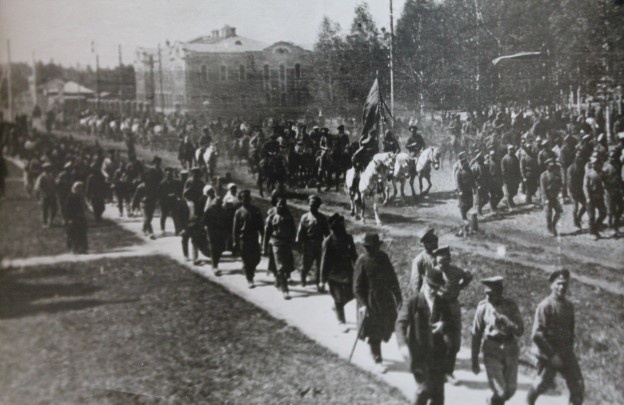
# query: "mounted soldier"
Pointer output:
{"type": "Point", "coordinates": [415, 143]}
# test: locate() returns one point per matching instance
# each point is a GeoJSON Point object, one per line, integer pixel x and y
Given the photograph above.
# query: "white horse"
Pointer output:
{"type": "Point", "coordinates": [406, 167]}
{"type": "Point", "coordinates": [208, 158]}
{"type": "Point", "coordinates": [375, 176]}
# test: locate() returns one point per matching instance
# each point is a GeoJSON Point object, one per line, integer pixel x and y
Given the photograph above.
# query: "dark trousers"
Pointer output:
{"type": "Point", "coordinates": [148, 208]}
{"type": "Point", "coordinates": [430, 388]}
{"type": "Point", "coordinates": [481, 197]}
{"type": "Point", "coordinates": [48, 209]}
{"type": "Point", "coordinates": [250, 255]}
{"type": "Point", "coordinates": [511, 190]}
{"type": "Point", "coordinates": [62, 199]}
{"type": "Point", "coordinates": [312, 252]}
{"type": "Point", "coordinates": [579, 209]}
{"type": "Point", "coordinates": [593, 205]}
{"type": "Point", "coordinates": [571, 373]}
{"type": "Point", "coordinates": [77, 236]}
{"type": "Point", "coordinates": [496, 195]}
{"type": "Point", "coordinates": [122, 196]}
{"type": "Point", "coordinates": [97, 204]}
{"type": "Point", "coordinates": [553, 211]}
{"type": "Point", "coordinates": [530, 186]}
{"type": "Point", "coordinates": [284, 263]}
{"type": "Point", "coordinates": [375, 348]}
{"type": "Point", "coordinates": [217, 246]}
{"type": "Point", "coordinates": [167, 209]}
{"type": "Point", "coordinates": [186, 237]}
{"type": "Point", "coordinates": [615, 207]}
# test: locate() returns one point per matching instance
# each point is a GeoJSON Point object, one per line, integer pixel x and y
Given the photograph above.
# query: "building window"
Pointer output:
{"type": "Point", "coordinates": [282, 72]}
{"type": "Point", "coordinates": [283, 99]}
{"type": "Point", "coordinates": [204, 73]}
{"type": "Point", "coordinates": [241, 72]}
{"type": "Point", "coordinates": [297, 71]}
{"type": "Point", "coordinates": [223, 73]}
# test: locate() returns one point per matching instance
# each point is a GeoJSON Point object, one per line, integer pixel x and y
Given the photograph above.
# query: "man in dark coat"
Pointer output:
{"type": "Point", "coordinates": [493, 165]}
{"type": "Point", "coordinates": [510, 170]}
{"type": "Point", "coordinates": [63, 188]}
{"type": "Point", "coordinates": [338, 257]}
{"type": "Point", "coordinates": [575, 174]}
{"type": "Point", "coordinates": [246, 234]}
{"type": "Point", "coordinates": [482, 182]}
{"type": "Point", "coordinates": [168, 194]}
{"type": "Point", "coordinates": [593, 189]}
{"type": "Point", "coordinates": [464, 184]}
{"type": "Point", "coordinates": [313, 228]}
{"type": "Point", "coordinates": [193, 190]}
{"type": "Point", "coordinates": [215, 223]}
{"type": "Point", "coordinates": [77, 220]}
{"type": "Point", "coordinates": [96, 192]}
{"type": "Point", "coordinates": [550, 185]}
{"type": "Point", "coordinates": [530, 173]}
{"type": "Point", "coordinates": [420, 334]}
{"type": "Point", "coordinates": [377, 290]}
{"type": "Point", "coordinates": [280, 233]}
{"type": "Point", "coordinates": [390, 143]}
{"type": "Point", "coordinates": [415, 143]}
{"type": "Point", "coordinates": [614, 190]}
{"type": "Point", "coordinates": [566, 158]}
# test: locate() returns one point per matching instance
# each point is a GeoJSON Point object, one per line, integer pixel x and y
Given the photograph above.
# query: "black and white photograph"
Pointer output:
{"type": "Point", "coordinates": [312, 202]}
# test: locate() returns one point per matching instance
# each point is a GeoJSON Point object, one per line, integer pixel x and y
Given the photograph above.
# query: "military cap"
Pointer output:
{"type": "Point", "coordinates": [442, 251]}
{"type": "Point", "coordinates": [315, 127]}
{"type": "Point", "coordinates": [491, 283]}
{"type": "Point", "coordinates": [244, 194]}
{"type": "Point", "coordinates": [230, 186]}
{"type": "Point", "coordinates": [314, 199]}
{"type": "Point", "coordinates": [334, 219]}
{"type": "Point", "coordinates": [462, 155]}
{"type": "Point", "coordinates": [510, 147]}
{"type": "Point", "coordinates": [325, 129]}
{"type": "Point", "coordinates": [340, 127]}
{"type": "Point", "coordinates": [492, 152]}
{"type": "Point", "coordinates": [156, 159]}
{"type": "Point", "coordinates": [207, 189]}
{"type": "Point", "coordinates": [550, 161]}
{"type": "Point", "coordinates": [429, 235]}
{"type": "Point", "coordinates": [413, 128]}
{"type": "Point", "coordinates": [560, 273]}
{"type": "Point", "coordinates": [372, 239]}
{"type": "Point", "coordinates": [545, 142]}
{"type": "Point", "coordinates": [434, 278]}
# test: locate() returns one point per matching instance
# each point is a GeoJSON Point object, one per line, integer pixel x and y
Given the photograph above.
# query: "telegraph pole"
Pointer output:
{"type": "Point", "coordinates": [160, 76]}
{"type": "Point", "coordinates": [9, 80]}
{"type": "Point", "coordinates": [391, 61]}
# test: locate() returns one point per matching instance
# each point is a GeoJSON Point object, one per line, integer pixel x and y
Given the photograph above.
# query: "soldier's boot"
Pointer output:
{"type": "Point", "coordinates": [494, 400]}
{"type": "Point", "coordinates": [555, 220]}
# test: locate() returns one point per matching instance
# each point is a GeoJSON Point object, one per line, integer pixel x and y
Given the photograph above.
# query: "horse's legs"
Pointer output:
{"type": "Point", "coordinates": [394, 188]}
{"type": "Point", "coordinates": [428, 178]}
{"type": "Point", "coordinates": [376, 211]}
{"type": "Point", "coordinates": [411, 183]}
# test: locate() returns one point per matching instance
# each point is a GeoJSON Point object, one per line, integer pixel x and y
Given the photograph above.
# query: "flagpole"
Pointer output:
{"type": "Point", "coordinates": [391, 61]}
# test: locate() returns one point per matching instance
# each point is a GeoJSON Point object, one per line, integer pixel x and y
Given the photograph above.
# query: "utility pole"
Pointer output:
{"type": "Point", "coordinates": [9, 80]}
{"type": "Point", "coordinates": [391, 61]}
{"type": "Point", "coordinates": [160, 77]}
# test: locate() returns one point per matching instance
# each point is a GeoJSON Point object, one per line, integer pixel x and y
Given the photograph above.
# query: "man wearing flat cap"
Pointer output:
{"type": "Point", "coordinates": [313, 228]}
{"type": "Point", "coordinates": [377, 290]}
{"type": "Point", "coordinates": [550, 187]}
{"type": "Point", "coordinates": [593, 188]}
{"type": "Point", "coordinates": [464, 184]}
{"type": "Point", "coordinates": [337, 260]}
{"type": "Point", "coordinates": [553, 341]}
{"type": "Point", "coordinates": [455, 280]}
{"type": "Point", "coordinates": [420, 330]}
{"type": "Point", "coordinates": [424, 262]}
{"type": "Point", "coordinates": [498, 325]}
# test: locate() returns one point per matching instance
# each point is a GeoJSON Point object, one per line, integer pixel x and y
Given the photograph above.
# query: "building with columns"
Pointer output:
{"type": "Point", "coordinates": [224, 75]}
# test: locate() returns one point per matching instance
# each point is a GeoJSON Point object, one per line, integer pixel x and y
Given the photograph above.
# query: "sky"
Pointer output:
{"type": "Point", "coordinates": [63, 30]}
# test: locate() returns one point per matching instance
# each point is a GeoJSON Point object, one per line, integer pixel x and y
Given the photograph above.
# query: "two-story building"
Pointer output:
{"type": "Point", "coordinates": [225, 75]}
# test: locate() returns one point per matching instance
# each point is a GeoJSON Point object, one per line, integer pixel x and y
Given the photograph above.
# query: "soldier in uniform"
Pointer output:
{"type": "Point", "coordinates": [553, 341]}
{"type": "Point", "coordinates": [96, 192]}
{"type": "Point", "coordinates": [247, 231]}
{"type": "Point", "coordinates": [337, 260]}
{"type": "Point", "coordinates": [464, 184]}
{"type": "Point", "coordinates": [482, 182]}
{"type": "Point", "coordinates": [280, 233]}
{"type": "Point", "coordinates": [566, 158]}
{"type": "Point", "coordinates": [550, 185]}
{"type": "Point", "coordinates": [343, 138]}
{"type": "Point", "coordinates": [169, 193]}
{"type": "Point", "coordinates": [215, 223]}
{"type": "Point", "coordinates": [390, 143]}
{"type": "Point", "coordinates": [593, 189]}
{"type": "Point", "coordinates": [377, 290]}
{"type": "Point", "coordinates": [63, 187]}
{"type": "Point", "coordinates": [496, 180]}
{"type": "Point", "coordinates": [419, 332]}
{"type": "Point", "coordinates": [193, 190]}
{"type": "Point", "coordinates": [530, 173]}
{"type": "Point", "coordinates": [313, 228]}
{"type": "Point", "coordinates": [455, 280]}
{"type": "Point", "coordinates": [510, 170]}
{"type": "Point", "coordinates": [415, 143]}
{"type": "Point", "coordinates": [498, 325]}
{"type": "Point", "coordinates": [45, 190]}
{"type": "Point", "coordinates": [576, 174]}
{"type": "Point", "coordinates": [77, 220]}
{"type": "Point", "coordinates": [424, 262]}
{"type": "Point", "coordinates": [614, 190]}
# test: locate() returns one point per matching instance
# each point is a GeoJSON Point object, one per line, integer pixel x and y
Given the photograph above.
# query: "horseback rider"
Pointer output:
{"type": "Point", "coordinates": [415, 143]}
{"type": "Point", "coordinates": [343, 139]}
{"type": "Point", "coordinates": [390, 143]}
{"type": "Point", "coordinates": [369, 146]}
{"type": "Point", "coordinates": [271, 148]}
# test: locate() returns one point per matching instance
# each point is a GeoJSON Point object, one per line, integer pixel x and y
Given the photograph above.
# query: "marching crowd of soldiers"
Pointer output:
{"type": "Point", "coordinates": [428, 324]}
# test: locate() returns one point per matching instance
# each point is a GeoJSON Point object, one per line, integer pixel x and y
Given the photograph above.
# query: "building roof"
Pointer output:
{"type": "Point", "coordinates": [233, 44]}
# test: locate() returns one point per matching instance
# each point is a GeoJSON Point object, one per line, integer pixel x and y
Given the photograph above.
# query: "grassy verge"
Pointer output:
{"type": "Point", "coordinates": [22, 235]}
{"type": "Point", "coordinates": [148, 330]}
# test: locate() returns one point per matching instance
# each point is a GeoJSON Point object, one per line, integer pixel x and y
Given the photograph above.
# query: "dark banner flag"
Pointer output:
{"type": "Point", "coordinates": [370, 116]}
